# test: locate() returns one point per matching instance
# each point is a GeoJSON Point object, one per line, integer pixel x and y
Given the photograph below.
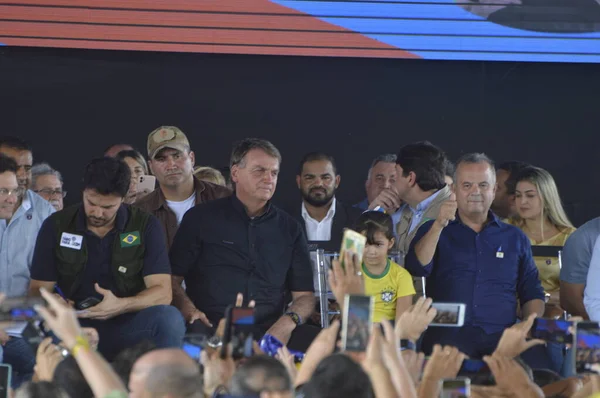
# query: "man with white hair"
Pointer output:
{"type": "Point", "coordinates": [48, 183]}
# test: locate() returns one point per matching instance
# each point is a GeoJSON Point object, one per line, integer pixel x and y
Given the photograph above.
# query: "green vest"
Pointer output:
{"type": "Point", "coordinates": [127, 260]}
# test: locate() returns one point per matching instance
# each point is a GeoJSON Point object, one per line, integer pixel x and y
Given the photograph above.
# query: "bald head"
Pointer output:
{"type": "Point", "coordinates": [155, 359]}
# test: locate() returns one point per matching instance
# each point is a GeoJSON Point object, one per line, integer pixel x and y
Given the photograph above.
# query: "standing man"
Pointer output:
{"type": "Point", "coordinates": [471, 257]}
{"type": "Point", "coordinates": [321, 214]}
{"type": "Point", "coordinates": [172, 162]}
{"type": "Point", "coordinates": [48, 183]}
{"type": "Point", "coordinates": [244, 244]}
{"type": "Point", "coordinates": [116, 255]}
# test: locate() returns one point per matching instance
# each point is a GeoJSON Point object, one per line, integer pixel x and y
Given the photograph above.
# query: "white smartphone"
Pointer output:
{"type": "Point", "coordinates": [449, 315]}
{"type": "Point", "coordinates": [146, 183]}
{"type": "Point", "coordinates": [456, 388]}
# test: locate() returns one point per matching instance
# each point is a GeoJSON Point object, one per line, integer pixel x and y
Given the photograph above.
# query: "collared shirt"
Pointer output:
{"type": "Point", "coordinates": [98, 268]}
{"type": "Point", "coordinates": [487, 271]}
{"type": "Point", "coordinates": [591, 297]}
{"type": "Point", "coordinates": [420, 210]}
{"type": "Point", "coordinates": [155, 203]}
{"type": "Point", "coordinates": [18, 243]}
{"type": "Point", "coordinates": [220, 252]}
{"type": "Point", "coordinates": [318, 230]}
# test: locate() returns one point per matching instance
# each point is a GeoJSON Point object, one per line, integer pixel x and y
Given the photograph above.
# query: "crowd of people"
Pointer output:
{"type": "Point", "coordinates": [161, 249]}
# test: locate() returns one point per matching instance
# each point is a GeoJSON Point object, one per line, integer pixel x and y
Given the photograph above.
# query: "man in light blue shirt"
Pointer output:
{"type": "Point", "coordinates": [591, 298]}
{"type": "Point", "coordinates": [22, 213]}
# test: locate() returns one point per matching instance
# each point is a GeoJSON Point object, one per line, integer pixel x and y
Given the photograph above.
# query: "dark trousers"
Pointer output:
{"type": "Point", "coordinates": [162, 324]}
{"type": "Point", "coordinates": [476, 343]}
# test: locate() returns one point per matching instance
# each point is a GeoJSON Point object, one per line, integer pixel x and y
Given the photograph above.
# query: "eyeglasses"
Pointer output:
{"type": "Point", "coordinates": [11, 192]}
{"type": "Point", "coordinates": [52, 192]}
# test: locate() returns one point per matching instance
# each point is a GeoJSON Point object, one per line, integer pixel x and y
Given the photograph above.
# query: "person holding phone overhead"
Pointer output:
{"type": "Point", "coordinates": [469, 256]}
{"type": "Point", "coordinates": [111, 260]}
{"type": "Point", "coordinates": [171, 160]}
{"type": "Point", "coordinates": [389, 284]}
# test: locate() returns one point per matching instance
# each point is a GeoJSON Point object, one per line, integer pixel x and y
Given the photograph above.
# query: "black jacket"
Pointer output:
{"type": "Point", "coordinates": [344, 217]}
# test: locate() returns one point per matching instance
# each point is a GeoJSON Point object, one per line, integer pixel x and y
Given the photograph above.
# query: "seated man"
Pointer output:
{"type": "Point", "coordinates": [244, 244]}
{"type": "Point", "coordinates": [106, 251]}
{"type": "Point", "coordinates": [469, 256]}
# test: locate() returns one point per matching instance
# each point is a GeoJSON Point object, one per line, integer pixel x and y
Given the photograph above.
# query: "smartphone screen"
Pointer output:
{"type": "Point", "coordinates": [474, 366]}
{"type": "Point", "coordinates": [587, 349]}
{"type": "Point", "coordinates": [456, 388]}
{"type": "Point", "coordinates": [5, 380]}
{"type": "Point", "coordinates": [552, 330]}
{"type": "Point", "coordinates": [449, 314]}
{"type": "Point", "coordinates": [239, 330]}
{"type": "Point", "coordinates": [20, 309]}
{"type": "Point", "coordinates": [357, 322]}
{"type": "Point", "coordinates": [352, 242]}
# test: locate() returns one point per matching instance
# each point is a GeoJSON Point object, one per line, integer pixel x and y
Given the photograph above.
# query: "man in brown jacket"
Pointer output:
{"type": "Point", "coordinates": [172, 162]}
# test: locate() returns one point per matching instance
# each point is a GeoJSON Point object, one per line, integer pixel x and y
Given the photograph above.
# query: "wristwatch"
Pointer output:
{"type": "Point", "coordinates": [406, 344]}
{"type": "Point", "coordinates": [295, 317]}
{"type": "Point", "coordinates": [214, 342]}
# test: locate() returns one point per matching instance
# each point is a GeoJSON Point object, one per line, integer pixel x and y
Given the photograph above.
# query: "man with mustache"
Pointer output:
{"type": "Point", "coordinates": [469, 256]}
{"type": "Point", "coordinates": [48, 183]}
{"type": "Point", "coordinates": [111, 261]}
{"type": "Point", "coordinates": [172, 162]}
{"type": "Point", "coordinates": [321, 214]}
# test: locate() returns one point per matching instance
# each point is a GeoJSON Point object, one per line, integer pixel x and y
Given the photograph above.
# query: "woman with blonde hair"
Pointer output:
{"type": "Point", "coordinates": [138, 167]}
{"type": "Point", "coordinates": [542, 218]}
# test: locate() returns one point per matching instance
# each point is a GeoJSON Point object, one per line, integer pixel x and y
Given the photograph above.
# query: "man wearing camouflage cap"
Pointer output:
{"type": "Point", "coordinates": [172, 162]}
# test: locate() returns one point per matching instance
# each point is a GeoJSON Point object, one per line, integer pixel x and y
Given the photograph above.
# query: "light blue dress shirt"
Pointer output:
{"type": "Point", "coordinates": [17, 243]}
{"type": "Point", "coordinates": [591, 297]}
{"type": "Point", "coordinates": [420, 210]}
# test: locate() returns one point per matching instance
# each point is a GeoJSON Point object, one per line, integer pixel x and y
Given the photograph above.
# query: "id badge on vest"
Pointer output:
{"type": "Point", "coordinates": [71, 241]}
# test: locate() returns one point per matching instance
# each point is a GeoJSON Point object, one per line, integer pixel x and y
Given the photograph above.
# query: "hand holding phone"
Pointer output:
{"type": "Point", "coordinates": [552, 330]}
{"type": "Point", "coordinates": [146, 184]}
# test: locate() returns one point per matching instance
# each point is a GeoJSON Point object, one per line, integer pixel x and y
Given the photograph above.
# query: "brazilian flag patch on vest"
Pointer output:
{"type": "Point", "coordinates": [129, 239]}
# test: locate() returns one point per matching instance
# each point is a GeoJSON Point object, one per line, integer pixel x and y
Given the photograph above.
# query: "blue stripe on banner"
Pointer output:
{"type": "Point", "coordinates": [447, 31]}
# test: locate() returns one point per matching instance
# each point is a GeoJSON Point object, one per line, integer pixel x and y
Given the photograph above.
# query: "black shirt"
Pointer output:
{"type": "Point", "coordinates": [220, 252]}
{"type": "Point", "coordinates": [98, 267]}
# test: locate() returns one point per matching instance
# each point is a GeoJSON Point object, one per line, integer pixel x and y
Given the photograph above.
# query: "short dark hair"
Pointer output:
{"type": "Point", "coordinates": [68, 376]}
{"type": "Point", "coordinates": [41, 389]}
{"type": "Point", "coordinates": [513, 168]}
{"type": "Point", "coordinates": [338, 376]}
{"type": "Point", "coordinates": [427, 161]}
{"type": "Point", "coordinates": [124, 361]}
{"type": "Point", "coordinates": [107, 176]}
{"type": "Point", "coordinates": [473, 158]}
{"type": "Point", "coordinates": [316, 156]}
{"type": "Point", "coordinates": [15, 143]}
{"type": "Point", "coordinates": [241, 149]}
{"type": "Point", "coordinates": [7, 164]}
{"type": "Point", "coordinates": [449, 169]}
{"type": "Point", "coordinates": [260, 373]}
{"type": "Point", "coordinates": [373, 222]}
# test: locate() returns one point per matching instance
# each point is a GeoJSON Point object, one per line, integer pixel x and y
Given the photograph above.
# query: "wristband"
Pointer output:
{"type": "Point", "coordinates": [407, 345]}
{"type": "Point", "coordinates": [295, 317]}
{"type": "Point", "coordinates": [81, 343]}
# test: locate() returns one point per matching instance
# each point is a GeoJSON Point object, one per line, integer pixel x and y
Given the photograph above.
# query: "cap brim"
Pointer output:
{"type": "Point", "coordinates": [179, 147]}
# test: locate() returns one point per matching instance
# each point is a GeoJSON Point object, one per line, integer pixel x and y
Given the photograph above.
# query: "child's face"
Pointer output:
{"type": "Point", "coordinates": [376, 254]}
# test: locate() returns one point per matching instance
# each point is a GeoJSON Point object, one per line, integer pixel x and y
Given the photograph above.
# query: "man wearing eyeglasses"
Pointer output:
{"type": "Point", "coordinates": [48, 183]}
{"type": "Point", "coordinates": [21, 215]}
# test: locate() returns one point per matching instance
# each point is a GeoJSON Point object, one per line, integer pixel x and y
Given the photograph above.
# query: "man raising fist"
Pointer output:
{"type": "Point", "coordinates": [469, 256]}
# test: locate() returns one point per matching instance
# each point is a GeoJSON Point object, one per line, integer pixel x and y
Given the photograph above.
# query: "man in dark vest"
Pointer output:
{"type": "Point", "coordinates": [112, 257]}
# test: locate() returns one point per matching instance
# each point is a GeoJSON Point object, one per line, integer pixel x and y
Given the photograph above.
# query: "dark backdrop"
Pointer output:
{"type": "Point", "coordinates": [71, 104]}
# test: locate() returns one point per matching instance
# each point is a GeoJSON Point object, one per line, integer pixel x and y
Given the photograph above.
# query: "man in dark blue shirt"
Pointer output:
{"type": "Point", "coordinates": [105, 251]}
{"type": "Point", "coordinates": [471, 257]}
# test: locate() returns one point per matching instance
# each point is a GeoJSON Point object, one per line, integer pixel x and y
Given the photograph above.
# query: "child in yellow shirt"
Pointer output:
{"type": "Point", "coordinates": [390, 284]}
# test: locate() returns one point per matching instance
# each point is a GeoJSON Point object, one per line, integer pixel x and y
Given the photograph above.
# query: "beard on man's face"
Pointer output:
{"type": "Point", "coordinates": [318, 196]}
